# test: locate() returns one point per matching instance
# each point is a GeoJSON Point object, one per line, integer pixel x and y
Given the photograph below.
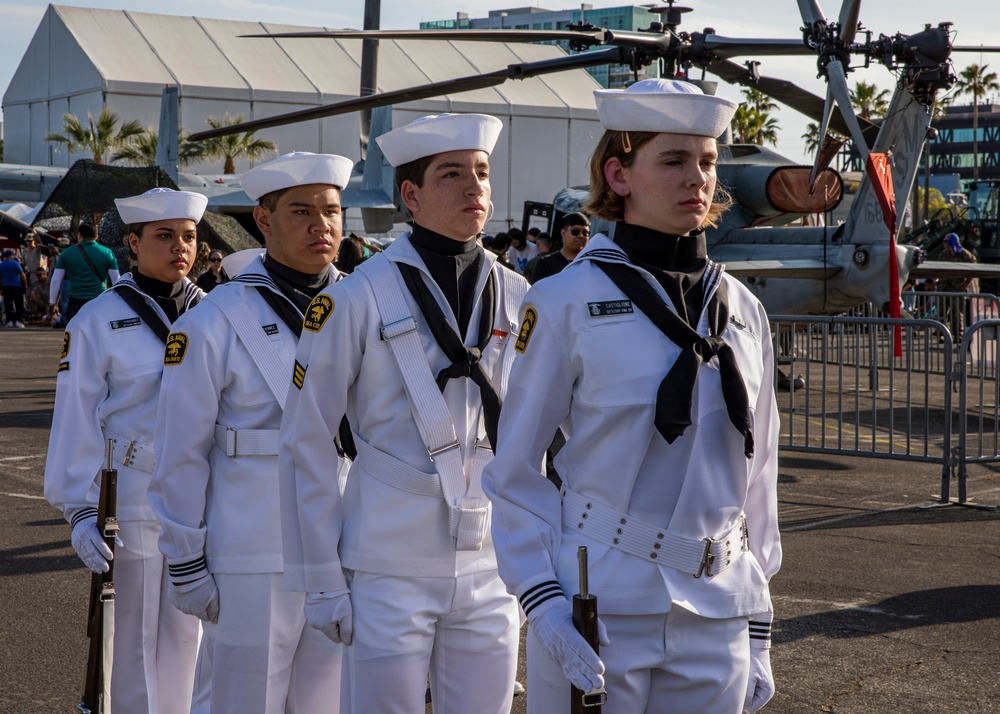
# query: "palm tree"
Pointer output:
{"type": "Point", "coordinates": [98, 137]}
{"type": "Point", "coordinates": [759, 101]}
{"type": "Point", "coordinates": [235, 146]}
{"type": "Point", "coordinates": [868, 101]}
{"type": "Point", "coordinates": [975, 80]}
{"type": "Point", "coordinates": [751, 126]}
{"type": "Point", "coordinates": [142, 150]}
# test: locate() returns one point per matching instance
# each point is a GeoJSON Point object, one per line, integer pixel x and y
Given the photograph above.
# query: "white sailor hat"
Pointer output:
{"type": "Point", "coordinates": [439, 133]}
{"type": "Point", "coordinates": [664, 106]}
{"type": "Point", "coordinates": [159, 204]}
{"type": "Point", "coordinates": [296, 169]}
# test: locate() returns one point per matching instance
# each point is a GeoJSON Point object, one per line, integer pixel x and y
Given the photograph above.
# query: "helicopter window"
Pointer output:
{"type": "Point", "coordinates": [788, 190]}
{"type": "Point", "coordinates": [741, 150]}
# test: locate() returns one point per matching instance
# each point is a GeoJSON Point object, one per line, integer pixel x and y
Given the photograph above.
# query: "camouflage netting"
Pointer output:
{"type": "Point", "coordinates": [87, 195]}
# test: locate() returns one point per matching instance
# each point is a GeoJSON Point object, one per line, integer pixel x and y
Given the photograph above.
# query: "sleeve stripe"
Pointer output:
{"type": "Point", "coordinates": [533, 597]}
{"type": "Point", "coordinates": [83, 514]}
{"type": "Point", "coordinates": [192, 566]}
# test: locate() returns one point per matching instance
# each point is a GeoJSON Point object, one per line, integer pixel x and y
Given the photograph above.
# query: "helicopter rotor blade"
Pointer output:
{"type": "Point", "coordinates": [811, 13]}
{"type": "Point", "coordinates": [790, 95]}
{"type": "Point", "coordinates": [975, 48]}
{"type": "Point", "coordinates": [593, 38]}
{"type": "Point", "coordinates": [610, 55]}
{"type": "Point", "coordinates": [837, 82]}
{"type": "Point", "coordinates": [728, 47]}
{"type": "Point", "coordinates": [849, 13]}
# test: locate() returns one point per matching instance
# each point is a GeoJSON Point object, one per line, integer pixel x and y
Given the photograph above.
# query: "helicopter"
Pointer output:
{"type": "Point", "coordinates": [792, 269]}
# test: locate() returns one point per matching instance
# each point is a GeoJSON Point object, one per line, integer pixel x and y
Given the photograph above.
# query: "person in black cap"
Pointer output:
{"type": "Point", "coordinates": [659, 367]}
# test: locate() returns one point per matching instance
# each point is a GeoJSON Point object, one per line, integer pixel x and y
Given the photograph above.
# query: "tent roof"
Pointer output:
{"type": "Point", "coordinates": [121, 51]}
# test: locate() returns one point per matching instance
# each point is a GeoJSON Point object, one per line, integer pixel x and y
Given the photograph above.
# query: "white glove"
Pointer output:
{"type": "Point", "coordinates": [199, 598]}
{"type": "Point", "coordinates": [552, 624]}
{"type": "Point", "coordinates": [760, 688]}
{"type": "Point", "coordinates": [90, 546]}
{"type": "Point", "coordinates": [331, 614]}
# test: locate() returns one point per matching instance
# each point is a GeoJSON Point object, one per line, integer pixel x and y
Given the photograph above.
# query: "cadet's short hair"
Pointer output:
{"type": "Point", "coordinates": [604, 203]}
{"type": "Point", "coordinates": [413, 171]}
{"type": "Point", "coordinates": [270, 200]}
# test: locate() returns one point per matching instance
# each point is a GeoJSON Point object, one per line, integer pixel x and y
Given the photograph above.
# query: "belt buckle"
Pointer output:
{"type": "Point", "coordinates": [431, 453]}
{"type": "Point", "coordinates": [231, 430]}
{"type": "Point", "coordinates": [394, 329]}
{"type": "Point", "coordinates": [595, 698]}
{"type": "Point", "coordinates": [707, 559]}
{"type": "Point", "coordinates": [127, 460]}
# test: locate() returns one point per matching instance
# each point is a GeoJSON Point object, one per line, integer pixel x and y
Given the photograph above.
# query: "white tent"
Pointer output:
{"type": "Point", "coordinates": [83, 60]}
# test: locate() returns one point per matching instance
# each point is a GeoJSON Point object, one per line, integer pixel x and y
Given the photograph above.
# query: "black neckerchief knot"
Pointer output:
{"type": "Point", "coordinates": [675, 394]}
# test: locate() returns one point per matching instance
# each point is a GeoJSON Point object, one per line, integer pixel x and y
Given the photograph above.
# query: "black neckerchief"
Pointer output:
{"type": "Point", "coordinates": [677, 262]}
{"type": "Point", "coordinates": [455, 266]}
{"type": "Point", "coordinates": [675, 394]}
{"type": "Point", "coordinates": [169, 296]}
{"type": "Point", "coordinates": [298, 287]}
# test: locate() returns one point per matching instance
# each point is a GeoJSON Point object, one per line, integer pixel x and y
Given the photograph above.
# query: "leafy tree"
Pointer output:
{"type": "Point", "coordinates": [99, 137]}
{"type": "Point", "coordinates": [868, 101]}
{"type": "Point", "coordinates": [142, 150]}
{"type": "Point", "coordinates": [974, 80]}
{"type": "Point", "coordinates": [234, 146]}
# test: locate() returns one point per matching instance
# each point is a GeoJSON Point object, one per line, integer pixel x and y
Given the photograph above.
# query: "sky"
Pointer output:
{"type": "Point", "coordinates": [975, 21]}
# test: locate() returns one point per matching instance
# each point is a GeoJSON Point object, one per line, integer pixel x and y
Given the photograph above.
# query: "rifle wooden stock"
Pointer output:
{"type": "Point", "coordinates": [585, 621]}
{"type": "Point", "coordinates": [102, 592]}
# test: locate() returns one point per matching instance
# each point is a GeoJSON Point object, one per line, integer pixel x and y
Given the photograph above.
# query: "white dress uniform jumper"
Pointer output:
{"type": "Point", "coordinates": [410, 534]}
{"type": "Point", "coordinates": [229, 366]}
{"type": "Point", "coordinates": [107, 388]}
{"type": "Point", "coordinates": [682, 536]}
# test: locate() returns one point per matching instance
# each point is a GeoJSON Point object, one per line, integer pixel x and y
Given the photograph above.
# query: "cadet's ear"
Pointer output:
{"type": "Point", "coordinates": [262, 217]}
{"type": "Point", "coordinates": [408, 195]}
{"type": "Point", "coordinates": [614, 174]}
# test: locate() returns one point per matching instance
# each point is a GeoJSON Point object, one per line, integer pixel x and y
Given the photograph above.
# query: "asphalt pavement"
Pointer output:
{"type": "Point", "coordinates": [883, 604]}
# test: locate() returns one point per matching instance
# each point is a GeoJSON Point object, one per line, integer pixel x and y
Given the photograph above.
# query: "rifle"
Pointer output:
{"type": "Point", "coordinates": [585, 621]}
{"type": "Point", "coordinates": [100, 619]}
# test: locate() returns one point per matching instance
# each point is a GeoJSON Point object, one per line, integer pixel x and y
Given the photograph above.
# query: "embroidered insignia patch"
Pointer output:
{"type": "Point", "coordinates": [177, 343]}
{"type": "Point", "coordinates": [130, 322]}
{"type": "Point", "coordinates": [319, 309]}
{"type": "Point", "coordinates": [271, 329]}
{"type": "Point", "coordinates": [530, 318]}
{"type": "Point", "coordinates": [298, 375]}
{"type": "Point", "coordinates": [613, 307]}
{"type": "Point", "coordinates": [65, 346]}
{"type": "Point", "coordinates": [63, 367]}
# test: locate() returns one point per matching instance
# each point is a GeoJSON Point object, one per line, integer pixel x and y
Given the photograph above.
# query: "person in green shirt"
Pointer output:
{"type": "Point", "coordinates": [89, 267]}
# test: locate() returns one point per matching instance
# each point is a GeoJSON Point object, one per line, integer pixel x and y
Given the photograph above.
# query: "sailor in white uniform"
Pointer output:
{"type": "Point", "coordinates": [414, 348]}
{"type": "Point", "coordinates": [107, 388]}
{"type": "Point", "coordinates": [659, 368]}
{"type": "Point", "coordinates": [215, 489]}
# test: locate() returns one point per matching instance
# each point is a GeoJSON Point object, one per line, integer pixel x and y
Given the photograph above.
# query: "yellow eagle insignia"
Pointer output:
{"type": "Point", "coordinates": [177, 343]}
{"type": "Point", "coordinates": [530, 318]}
{"type": "Point", "coordinates": [319, 309]}
{"type": "Point", "coordinates": [65, 346]}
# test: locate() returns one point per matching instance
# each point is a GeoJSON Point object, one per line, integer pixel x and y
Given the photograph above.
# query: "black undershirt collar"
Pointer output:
{"type": "Point", "coordinates": [298, 287]}
{"type": "Point", "coordinates": [169, 296]}
{"type": "Point", "coordinates": [677, 262]}
{"type": "Point", "coordinates": [455, 266]}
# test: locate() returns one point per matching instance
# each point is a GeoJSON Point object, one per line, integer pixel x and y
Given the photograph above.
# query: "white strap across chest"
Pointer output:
{"type": "Point", "coordinates": [275, 372]}
{"type": "Point", "coordinates": [468, 506]}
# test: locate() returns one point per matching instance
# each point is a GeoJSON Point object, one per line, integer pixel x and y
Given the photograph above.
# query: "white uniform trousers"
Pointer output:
{"type": "Point", "coordinates": [156, 645]}
{"type": "Point", "coordinates": [462, 631]}
{"type": "Point", "coordinates": [264, 658]}
{"type": "Point", "coordinates": [674, 663]}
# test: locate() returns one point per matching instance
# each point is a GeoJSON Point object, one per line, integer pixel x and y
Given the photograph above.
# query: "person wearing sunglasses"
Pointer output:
{"type": "Point", "coordinates": [215, 275]}
{"type": "Point", "coordinates": [575, 234]}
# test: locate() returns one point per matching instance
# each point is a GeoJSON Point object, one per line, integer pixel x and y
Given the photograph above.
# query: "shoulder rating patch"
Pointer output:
{"type": "Point", "coordinates": [319, 309]}
{"type": "Point", "coordinates": [65, 345]}
{"type": "Point", "coordinates": [612, 307]}
{"type": "Point", "coordinates": [530, 318]}
{"type": "Point", "coordinates": [63, 367]}
{"type": "Point", "coordinates": [298, 375]}
{"type": "Point", "coordinates": [177, 343]}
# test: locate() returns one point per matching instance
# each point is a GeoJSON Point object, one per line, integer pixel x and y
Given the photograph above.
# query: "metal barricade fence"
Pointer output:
{"type": "Point", "coordinates": [978, 410]}
{"type": "Point", "coordinates": [844, 393]}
